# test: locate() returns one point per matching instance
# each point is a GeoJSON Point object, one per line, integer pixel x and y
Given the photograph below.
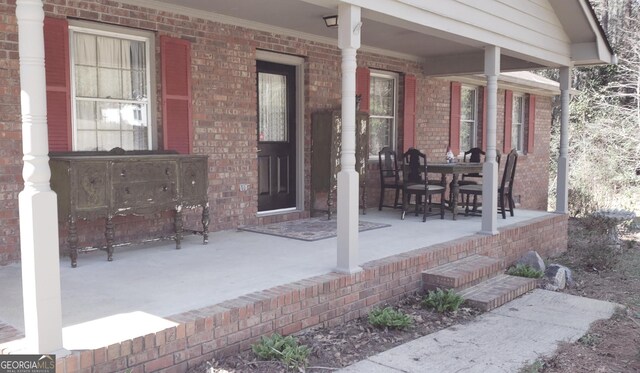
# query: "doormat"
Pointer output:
{"type": "Point", "coordinates": [312, 229]}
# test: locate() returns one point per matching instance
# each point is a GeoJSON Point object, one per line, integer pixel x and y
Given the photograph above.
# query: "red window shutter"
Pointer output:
{"type": "Point", "coordinates": [484, 118]}
{"type": "Point", "coordinates": [57, 73]}
{"type": "Point", "coordinates": [176, 94]}
{"type": "Point", "coordinates": [508, 118]}
{"type": "Point", "coordinates": [531, 124]}
{"type": "Point", "coordinates": [409, 120]}
{"type": "Point", "coordinates": [363, 81]}
{"type": "Point", "coordinates": [454, 125]}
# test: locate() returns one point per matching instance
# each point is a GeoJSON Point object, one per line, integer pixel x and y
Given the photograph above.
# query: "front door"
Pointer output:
{"type": "Point", "coordinates": [276, 136]}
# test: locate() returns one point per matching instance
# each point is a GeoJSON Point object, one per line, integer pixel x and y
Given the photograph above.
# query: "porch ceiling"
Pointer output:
{"type": "Point", "coordinates": [442, 48]}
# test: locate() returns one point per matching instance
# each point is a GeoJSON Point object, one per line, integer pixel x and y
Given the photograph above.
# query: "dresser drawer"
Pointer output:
{"type": "Point", "coordinates": [135, 171]}
{"type": "Point", "coordinates": [144, 195]}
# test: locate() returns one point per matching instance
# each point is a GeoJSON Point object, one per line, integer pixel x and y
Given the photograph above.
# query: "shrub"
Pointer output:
{"type": "Point", "coordinates": [285, 349]}
{"type": "Point", "coordinates": [594, 247]}
{"type": "Point", "coordinates": [389, 318]}
{"type": "Point", "coordinates": [523, 270]}
{"type": "Point", "coordinates": [442, 301]}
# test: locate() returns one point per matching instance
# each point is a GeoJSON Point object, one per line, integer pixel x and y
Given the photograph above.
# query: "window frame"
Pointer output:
{"type": "Point", "coordinates": [519, 145]}
{"type": "Point", "coordinates": [474, 132]}
{"type": "Point", "coordinates": [394, 126]}
{"type": "Point", "coordinates": [120, 32]}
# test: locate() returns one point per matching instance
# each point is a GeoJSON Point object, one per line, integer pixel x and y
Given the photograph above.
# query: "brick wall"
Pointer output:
{"type": "Point", "coordinates": [327, 300]}
{"type": "Point", "coordinates": [10, 135]}
{"type": "Point", "coordinates": [224, 115]}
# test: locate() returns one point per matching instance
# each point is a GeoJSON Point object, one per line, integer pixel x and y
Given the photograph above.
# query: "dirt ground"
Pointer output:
{"type": "Point", "coordinates": [609, 346]}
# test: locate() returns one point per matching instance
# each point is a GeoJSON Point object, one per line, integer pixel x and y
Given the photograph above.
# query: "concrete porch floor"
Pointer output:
{"type": "Point", "coordinates": [107, 302]}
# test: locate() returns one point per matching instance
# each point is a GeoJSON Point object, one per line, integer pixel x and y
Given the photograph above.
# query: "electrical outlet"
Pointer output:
{"type": "Point", "coordinates": [244, 187]}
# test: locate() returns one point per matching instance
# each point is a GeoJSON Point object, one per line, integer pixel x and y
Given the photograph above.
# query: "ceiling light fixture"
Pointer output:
{"type": "Point", "coordinates": [331, 21]}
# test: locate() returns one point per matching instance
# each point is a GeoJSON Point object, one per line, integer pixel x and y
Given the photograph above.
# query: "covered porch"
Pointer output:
{"type": "Point", "coordinates": [370, 269]}
{"type": "Point", "coordinates": [152, 289]}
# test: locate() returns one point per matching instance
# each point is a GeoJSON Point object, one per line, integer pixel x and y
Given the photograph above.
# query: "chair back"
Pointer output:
{"type": "Point", "coordinates": [509, 170]}
{"type": "Point", "coordinates": [414, 166]}
{"type": "Point", "coordinates": [474, 156]}
{"type": "Point", "coordinates": [388, 163]}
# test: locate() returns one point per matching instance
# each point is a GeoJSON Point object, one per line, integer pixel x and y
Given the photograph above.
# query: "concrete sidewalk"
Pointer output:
{"type": "Point", "coordinates": [502, 340]}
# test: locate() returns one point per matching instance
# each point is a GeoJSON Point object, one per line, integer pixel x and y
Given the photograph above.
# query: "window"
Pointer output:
{"type": "Point", "coordinates": [518, 122]}
{"type": "Point", "coordinates": [382, 111]}
{"type": "Point", "coordinates": [111, 88]}
{"type": "Point", "coordinates": [468, 118]}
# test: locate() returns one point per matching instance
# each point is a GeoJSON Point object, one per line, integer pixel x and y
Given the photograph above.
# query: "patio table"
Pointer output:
{"type": "Point", "coordinates": [455, 169]}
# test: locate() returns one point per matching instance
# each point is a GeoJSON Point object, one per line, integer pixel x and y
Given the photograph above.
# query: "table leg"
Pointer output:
{"type": "Point", "coordinates": [454, 195]}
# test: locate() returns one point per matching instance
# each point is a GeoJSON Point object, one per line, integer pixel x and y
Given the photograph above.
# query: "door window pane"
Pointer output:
{"type": "Point", "coordinates": [272, 107]}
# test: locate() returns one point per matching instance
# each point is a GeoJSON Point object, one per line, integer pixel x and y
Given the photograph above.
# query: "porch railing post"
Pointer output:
{"type": "Point", "coordinates": [37, 202]}
{"type": "Point", "coordinates": [490, 167]}
{"type": "Point", "coordinates": [562, 189]}
{"type": "Point", "coordinates": [348, 178]}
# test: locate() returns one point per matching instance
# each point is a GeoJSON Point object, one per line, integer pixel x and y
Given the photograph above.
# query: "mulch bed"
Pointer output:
{"type": "Point", "coordinates": [337, 347]}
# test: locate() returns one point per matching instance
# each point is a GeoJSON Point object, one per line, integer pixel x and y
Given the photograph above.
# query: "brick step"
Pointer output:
{"type": "Point", "coordinates": [497, 291]}
{"type": "Point", "coordinates": [462, 273]}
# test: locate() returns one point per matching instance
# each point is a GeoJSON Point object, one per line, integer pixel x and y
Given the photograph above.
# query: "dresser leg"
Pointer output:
{"type": "Point", "coordinates": [109, 234]}
{"type": "Point", "coordinates": [364, 200]}
{"type": "Point", "coordinates": [178, 225]}
{"type": "Point", "coordinates": [205, 223]}
{"type": "Point", "coordinates": [73, 242]}
{"type": "Point", "coordinates": [329, 203]}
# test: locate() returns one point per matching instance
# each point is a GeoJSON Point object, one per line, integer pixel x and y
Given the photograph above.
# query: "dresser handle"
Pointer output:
{"type": "Point", "coordinates": [123, 173]}
{"type": "Point", "coordinates": [164, 188]}
{"type": "Point", "coordinates": [166, 171]}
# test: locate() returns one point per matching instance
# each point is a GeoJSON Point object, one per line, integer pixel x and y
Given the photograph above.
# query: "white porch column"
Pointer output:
{"type": "Point", "coordinates": [490, 167]}
{"type": "Point", "coordinates": [38, 206]}
{"type": "Point", "coordinates": [562, 189]}
{"type": "Point", "coordinates": [348, 179]}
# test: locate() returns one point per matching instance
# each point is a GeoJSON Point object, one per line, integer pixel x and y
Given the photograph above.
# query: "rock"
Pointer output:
{"type": "Point", "coordinates": [557, 277]}
{"type": "Point", "coordinates": [533, 260]}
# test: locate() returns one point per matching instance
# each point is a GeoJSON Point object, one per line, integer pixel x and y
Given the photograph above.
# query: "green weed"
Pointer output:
{"type": "Point", "coordinates": [389, 318]}
{"type": "Point", "coordinates": [442, 301]}
{"type": "Point", "coordinates": [285, 349]}
{"type": "Point", "coordinates": [523, 270]}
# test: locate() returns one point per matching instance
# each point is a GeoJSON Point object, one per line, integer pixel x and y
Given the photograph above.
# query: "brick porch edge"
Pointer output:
{"type": "Point", "coordinates": [229, 327]}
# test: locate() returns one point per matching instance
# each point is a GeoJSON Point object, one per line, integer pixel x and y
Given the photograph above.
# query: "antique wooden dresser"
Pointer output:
{"type": "Point", "coordinates": [93, 185]}
{"type": "Point", "coordinates": [326, 140]}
